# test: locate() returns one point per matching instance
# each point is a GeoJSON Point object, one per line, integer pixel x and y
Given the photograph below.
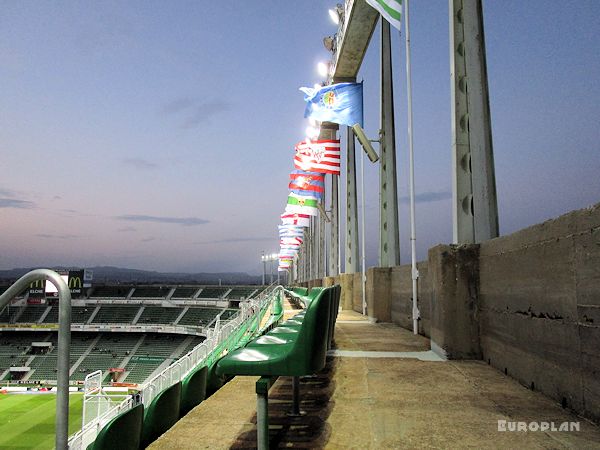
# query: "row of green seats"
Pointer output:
{"type": "Point", "coordinates": [139, 427]}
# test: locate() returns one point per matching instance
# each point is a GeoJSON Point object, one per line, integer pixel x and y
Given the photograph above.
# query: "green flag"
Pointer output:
{"type": "Point", "coordinates": [391, 10]}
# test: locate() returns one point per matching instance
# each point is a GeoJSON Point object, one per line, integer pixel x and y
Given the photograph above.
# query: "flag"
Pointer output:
{"type": "Point", "coordinates": [338, 103]}
{"type": "Point", "coordinates": [391, 10]}
{"type": "Point", "coordinates": [318, 156]}
{"type": "Point", "coordinates": [301, 205]}
{"type": "Point", "coordinates": [310, 184]}
{"type": "Point", "coordinates": [290, 231]}
{"type": "Point", "coordinates": [300, 219]}
{"type": "Point", "coordinates": [295, 241]}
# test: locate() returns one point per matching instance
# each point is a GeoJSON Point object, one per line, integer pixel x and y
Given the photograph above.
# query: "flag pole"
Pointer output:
{"type": "Point", "coordinates": [413, 235]}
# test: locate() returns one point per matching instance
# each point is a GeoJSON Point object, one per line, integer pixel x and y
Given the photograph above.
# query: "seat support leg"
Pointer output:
{"type": "Point", "coordinates": [296, 396]}
{"type": "Point", "coordinates": [262, 421]}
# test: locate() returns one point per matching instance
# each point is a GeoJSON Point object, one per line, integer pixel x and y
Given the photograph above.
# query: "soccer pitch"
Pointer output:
{"type": "Point", "coordinates": [27, 420]}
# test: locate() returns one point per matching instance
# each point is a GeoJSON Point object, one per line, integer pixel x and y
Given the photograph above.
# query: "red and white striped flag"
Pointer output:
{"type": "Point", "coordinates": [302, 220]}
{"type": "Point", "coordinates": [318, 156]}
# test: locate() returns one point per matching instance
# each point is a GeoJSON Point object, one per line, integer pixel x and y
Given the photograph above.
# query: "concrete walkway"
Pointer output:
{"type": "Point", "coordinates": [383, 389]}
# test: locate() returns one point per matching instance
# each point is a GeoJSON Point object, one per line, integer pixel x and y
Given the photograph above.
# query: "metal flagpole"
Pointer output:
{"type": "Point", "coordinates": [413, 234]}
{"type": "Point", "coordinates": [363, 277]}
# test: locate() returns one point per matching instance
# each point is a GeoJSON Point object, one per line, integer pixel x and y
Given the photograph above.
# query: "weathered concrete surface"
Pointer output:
{"type": "Point", "coordinates": [346, 293]}
{"type": "Point", "coordinates": [539, 301]}
{"type": "Point", "coordinates": [401, 279]}
{"type": "Point", "coordinates": [454, 321]}
{"type": "Point", "coordinates": [379, 298]}
{"type": "Point", "coordinates": [377, 403]}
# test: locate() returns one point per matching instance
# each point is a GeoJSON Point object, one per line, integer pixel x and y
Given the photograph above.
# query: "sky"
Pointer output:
{"type": "Point", "coordinates": [160, 136]}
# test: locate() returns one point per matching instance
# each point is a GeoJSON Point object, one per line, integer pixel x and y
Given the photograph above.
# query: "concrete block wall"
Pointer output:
{"type": "Point", "coordinates": [539, 306]}
{"type": "Point", "coordinates": [527, 303]}
{"type": "Point", "coordinates": [401, 306]}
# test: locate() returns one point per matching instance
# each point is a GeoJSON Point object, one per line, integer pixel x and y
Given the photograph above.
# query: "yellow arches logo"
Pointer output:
{"type": "Point", "coordinates": [75, 283]}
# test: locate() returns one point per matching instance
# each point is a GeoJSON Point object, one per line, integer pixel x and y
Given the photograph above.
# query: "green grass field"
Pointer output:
{"type": "Point", "coordinates": [27, 421]}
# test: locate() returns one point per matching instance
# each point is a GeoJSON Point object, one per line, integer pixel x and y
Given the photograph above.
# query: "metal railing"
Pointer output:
{"type": "Point", "coordinates": [224, 337]}
{"type": "Point", "coordinates": [64, 343]}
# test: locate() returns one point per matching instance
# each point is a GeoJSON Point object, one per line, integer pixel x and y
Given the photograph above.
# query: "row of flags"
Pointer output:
{"type": "Point", "coordinates": [340, 103]}
{"type": "Point", "coordinates": [313, 159]}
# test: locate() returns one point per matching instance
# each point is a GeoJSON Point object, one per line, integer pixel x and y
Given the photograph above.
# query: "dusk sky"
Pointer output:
{"type": "Point", "coordinates": [160, 135]}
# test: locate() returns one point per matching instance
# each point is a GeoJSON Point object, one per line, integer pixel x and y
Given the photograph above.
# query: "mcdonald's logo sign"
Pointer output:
{"type": "Point", "coordinates": [37, 284]}
{"type": "Point", "coordinates": [75, 282]}
{"type": "Point", "coordinates": [37, 289]}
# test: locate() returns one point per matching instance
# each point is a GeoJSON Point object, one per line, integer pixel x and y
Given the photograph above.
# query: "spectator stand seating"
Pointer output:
{"type": "Point", "coordinates": [298, 347]}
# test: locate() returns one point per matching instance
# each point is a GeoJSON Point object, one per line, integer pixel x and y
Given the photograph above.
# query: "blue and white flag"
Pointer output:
{"type": "Point", "coordinates": [338, 103]}
{"type": "Point", "coordinates": [290, 231]}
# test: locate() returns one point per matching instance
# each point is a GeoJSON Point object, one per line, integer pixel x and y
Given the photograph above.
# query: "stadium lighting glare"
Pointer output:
{"type": "Point", "coordinates": [311, 121]}
{"type": "Point", "coordinates": [323, 69]}
{"type": "Point", "coordinates": [312, 132]}
{"type": "Point", "coordinates": [337, 14]}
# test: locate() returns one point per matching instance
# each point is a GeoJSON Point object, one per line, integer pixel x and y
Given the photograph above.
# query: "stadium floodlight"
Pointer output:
{"type": "Point", "coordinates": [329, 43]}
{"type": "Point", "coordinates": [337, 14]}
{"type": "Point", "coordinates": [323, 69]}
{"type": "Point", "coordinates": [312, 132]}
{"type": "Point", "coordinates": [366, 142]}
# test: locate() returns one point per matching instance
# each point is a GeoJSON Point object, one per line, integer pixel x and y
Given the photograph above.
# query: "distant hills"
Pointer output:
{"type": "Point", "coordinates": [109, 274]}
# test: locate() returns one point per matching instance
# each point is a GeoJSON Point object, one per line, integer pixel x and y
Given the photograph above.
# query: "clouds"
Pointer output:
{"type": "Point", "coordinates": [57, 236]}
{"type": "Point", "coordinates": [16, 203]}
{"type": "Point", "coordinates": [237, 240]}
{"type": "Point", "coordinates": [185, 221]}
{"type": "Point", "coordinates": [8, 199]}
{"type": "Point", "coordinates": [193, 112]}
{"type": "Point", "coordinates": [139, 163]}
{"type": "Point", "coordinates": [428, 197]}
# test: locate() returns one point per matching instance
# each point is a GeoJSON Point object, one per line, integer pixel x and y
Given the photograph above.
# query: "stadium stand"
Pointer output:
{"type": "Point", "coordinates": [213, 292]}
{"type": "Point", "coordinates": [116, 314]}
{"type": "Point", "coordinates": [110, 292]}
{"type": "Point", "coordinates": [196, 340]}
{"type": "Point", "coordinates": [31, 314]}
{"type": "Point", "coordinates": [185, 292]}
{"type": "Point", "coordinates": [199, 316]}
{"type": "Point", "coordinates": [79, 314]}
{"type": "Point", "coordinates": [151, 292]}
{"type": "Point", "coordinates": [159, 314]}
{"type": "Point", "coordinates": [228, 313]}
{"type": "Point", "coordinates": [240, 292]}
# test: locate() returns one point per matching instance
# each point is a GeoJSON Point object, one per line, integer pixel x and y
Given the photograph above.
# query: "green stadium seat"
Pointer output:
{"type": "Point", "coordinates": [193, 390]}
{"type": "Point", "coordinates": [161, 414]}
{"type": "Point", "coordinates": [122, 432]}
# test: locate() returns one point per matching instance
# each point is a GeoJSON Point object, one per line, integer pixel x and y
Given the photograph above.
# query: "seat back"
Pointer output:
{"type": "Point", "coordinates": [161, 414]}
{"type": "Point", "coordinates": [123, 431]}
{"type": "Point", "coordinates": [193, 390]}
{"type": "Point", "coordinates": [310, 347]}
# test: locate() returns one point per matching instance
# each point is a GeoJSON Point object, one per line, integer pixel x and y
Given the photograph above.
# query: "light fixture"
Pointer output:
{"type": "Point", "coordinates": [323, 69]}
{"type": "Point", "coordinates": [329, 43]}
{"type": "Point", "coordinates": [337, 14]}
{"type": "Point", "coordinates": [312, 132]}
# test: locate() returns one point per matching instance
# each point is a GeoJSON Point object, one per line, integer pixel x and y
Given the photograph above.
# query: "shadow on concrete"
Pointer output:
{"type": "Point", "coordinates": [310, 430]}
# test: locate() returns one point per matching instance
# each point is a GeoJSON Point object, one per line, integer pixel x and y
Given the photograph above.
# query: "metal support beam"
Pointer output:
{"type": "Point", "coordinates": [321, 267]}
{"type": "Point", "coordinates": [329, 131]}
{"type": "Point", "coordinates": [475, 208]}
{"type": "Point", "coordinates": [351, 251]}
{"type": "Point", "coordinates": [389, 239]}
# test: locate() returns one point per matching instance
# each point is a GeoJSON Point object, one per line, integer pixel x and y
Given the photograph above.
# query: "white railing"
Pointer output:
{"type": "Point", "coordinates": [249, 311]}
{"type": "Point", "coordinates": [88, 433]}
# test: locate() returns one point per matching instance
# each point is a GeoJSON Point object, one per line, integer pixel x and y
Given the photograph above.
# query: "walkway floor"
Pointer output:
{"type": "Point", "coordinates": [383, 389]}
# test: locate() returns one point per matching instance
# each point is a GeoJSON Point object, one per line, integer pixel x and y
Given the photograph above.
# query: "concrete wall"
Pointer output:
{"type": "Point", "coordinates": [539, 306]}
{"type": "Point", "coordinates": [527, 303]}
{"type": "Point", "coordinates": [401, 306]}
